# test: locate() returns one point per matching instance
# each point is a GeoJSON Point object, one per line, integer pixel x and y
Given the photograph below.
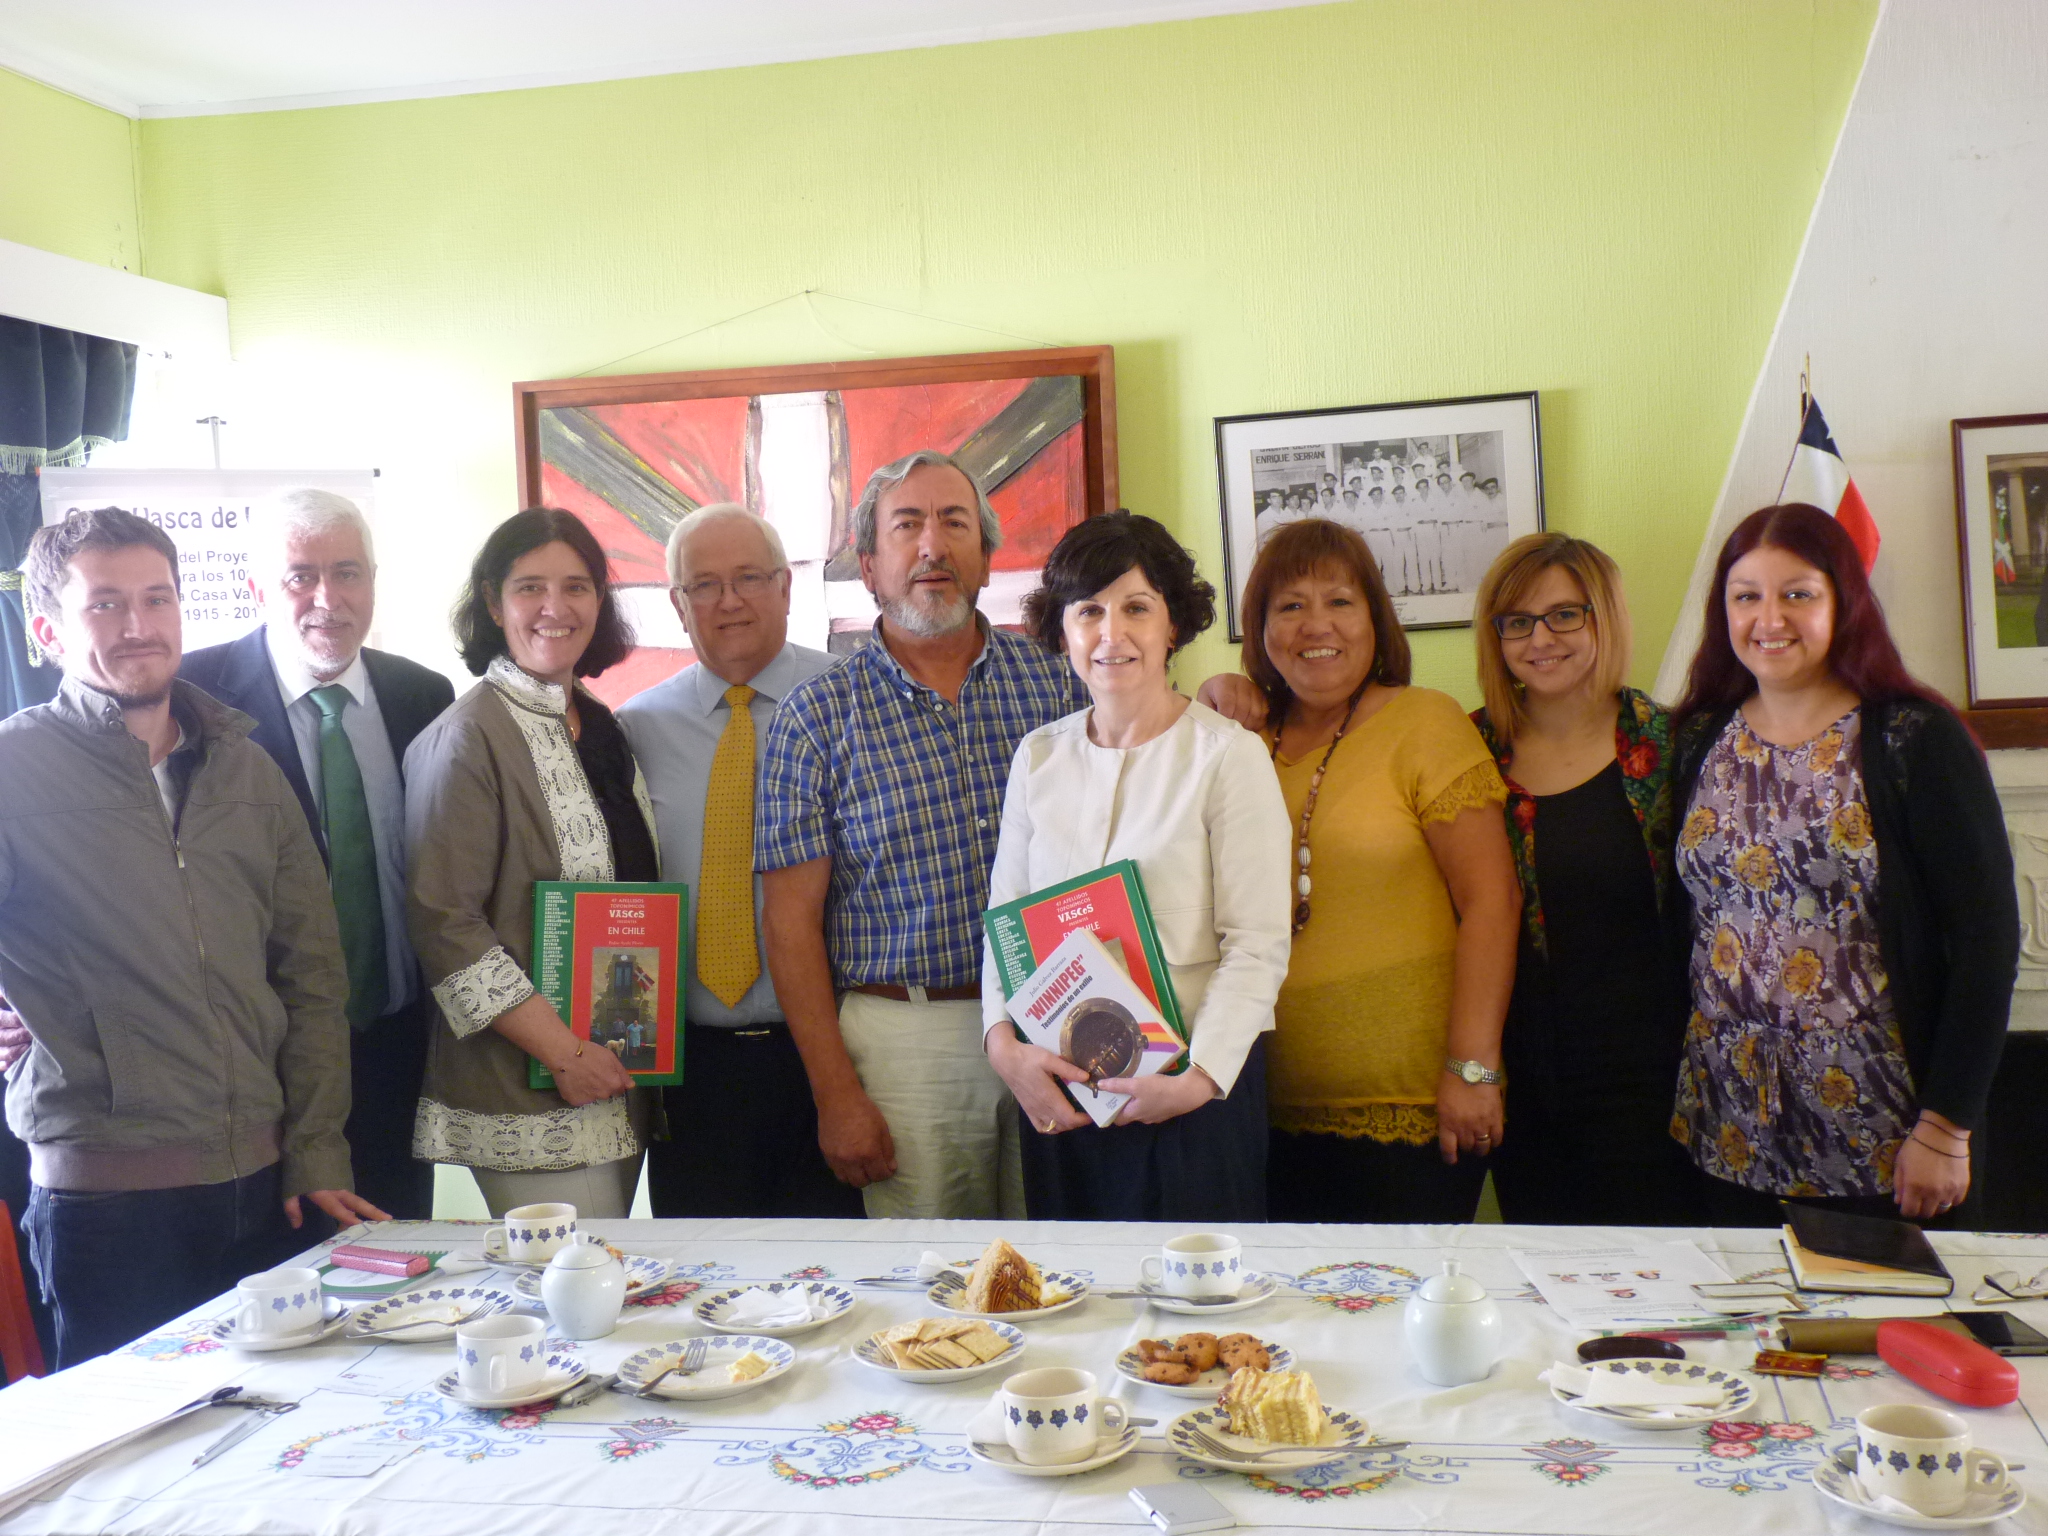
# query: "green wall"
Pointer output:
{"type": "Point", "coordinates": [1373, 201]}
{"type": "Point", "coordinates": [67, 175]}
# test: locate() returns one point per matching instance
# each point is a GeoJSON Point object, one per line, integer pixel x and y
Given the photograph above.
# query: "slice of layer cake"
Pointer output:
{"type": "Point", "coordinates": [1003, 1280]}
{"type": "Point", "coordinates": [1273, 1407]}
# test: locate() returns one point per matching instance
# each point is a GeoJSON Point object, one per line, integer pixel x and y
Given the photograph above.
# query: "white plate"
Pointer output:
{"type": "Point", "coordinates": [1256, 1288]}
{"type": "Point", "coordinates": [1982, 1509]}
{"type": "Point", "coordinates": [829, 1303]}
{"type": "Point", "coordinates": [1002, 1456]}
{"type": "Point", "coordinates": [333, 1313]}
{"type": "Point", "coordinates": [431, 1301]}
{"type": "Point", "coordinates": [558, 1374]}
{"type": "Point", "coordinates": [641, 1272]}
{"type": "Point", "coordinates": [947, 1290]}
{"type": "Point", "coordinates": [1738, 1394]}
{"type": "Point", "coordinates": [872, 1355]}
{"type": "Point", "coordinates": [1341, 1433]}
{"type": "Point", "coordinates": [1208, 1384]}
{"type": "Point", "coordinates": [710, 1379]}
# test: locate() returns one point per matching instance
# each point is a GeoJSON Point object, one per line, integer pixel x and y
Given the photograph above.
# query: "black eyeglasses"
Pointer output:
{"type": "Point", "coordinates": [1561, 620]}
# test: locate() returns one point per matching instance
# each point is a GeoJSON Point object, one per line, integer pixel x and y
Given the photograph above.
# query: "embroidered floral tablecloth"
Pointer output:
{"type": "Point", "coordinates": [836, 1447]}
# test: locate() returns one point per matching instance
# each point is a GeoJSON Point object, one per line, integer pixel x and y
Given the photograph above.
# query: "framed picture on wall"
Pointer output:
{"type": "Point", "coordinates": [2001, 467]}
{"type": "Point", "coordinates": [1437, 488]}
{"type": "Point", "coordinates": [633, 455]}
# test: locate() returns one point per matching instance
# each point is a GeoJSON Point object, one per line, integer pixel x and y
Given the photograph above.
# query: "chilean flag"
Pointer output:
{"type": "Point", "coordinates": [1819, 478]}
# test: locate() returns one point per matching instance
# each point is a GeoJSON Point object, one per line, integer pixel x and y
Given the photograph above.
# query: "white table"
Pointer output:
{"type": "Point", "coordinates": [834, 1446]}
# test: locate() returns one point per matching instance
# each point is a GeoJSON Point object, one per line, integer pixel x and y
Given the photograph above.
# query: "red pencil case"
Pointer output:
{"type": "Point", "coordinates": [382, 1261]}
{"type": "Point", "coordinates": [1959, 1369]}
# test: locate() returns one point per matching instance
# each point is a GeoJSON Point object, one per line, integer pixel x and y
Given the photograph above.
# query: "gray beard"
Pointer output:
{"type": "Point", "coordinates": [929, 621]}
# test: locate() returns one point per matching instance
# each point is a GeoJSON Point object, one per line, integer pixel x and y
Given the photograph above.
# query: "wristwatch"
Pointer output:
{"type": "Point", "coordinates": [1474, 1073]}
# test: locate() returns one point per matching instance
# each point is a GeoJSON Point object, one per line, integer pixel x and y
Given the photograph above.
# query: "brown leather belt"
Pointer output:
{"type": "Point", "coordinates": [931, 994]}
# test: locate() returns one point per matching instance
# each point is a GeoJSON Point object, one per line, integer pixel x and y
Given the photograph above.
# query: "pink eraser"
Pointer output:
{"type": "Point", "coordinates": [382, 1261]}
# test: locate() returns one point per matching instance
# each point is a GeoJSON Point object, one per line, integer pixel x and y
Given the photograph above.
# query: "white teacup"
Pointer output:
{"type": "Point", "coordinates": [1921, 1456]}
{"type": "Point", "coordinates": [279, 1303]}
{"type": "Point", "coordinates": [495, 1356]}
{"type": "Point", "coordinates": [1053, 1416]}
{"type": "Point", "coordinates": [532, 1234]}
{"type": "Point", "coordinates": [1201, 1264]}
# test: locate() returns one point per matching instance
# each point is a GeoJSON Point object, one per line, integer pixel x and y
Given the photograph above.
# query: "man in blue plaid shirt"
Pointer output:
{"type": "Point", "coordinates": [879, 801]}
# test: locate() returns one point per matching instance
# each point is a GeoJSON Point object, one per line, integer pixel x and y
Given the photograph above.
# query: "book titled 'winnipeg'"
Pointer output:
{"type": "Point", "coordinates": [609, 956]}
{"type": "Point", "coordinates": [1082, 1006]}
{"type": "Point", "coordinates": [1873, 1255]}
{"type": "Point", "coordinates": [1111, 902]}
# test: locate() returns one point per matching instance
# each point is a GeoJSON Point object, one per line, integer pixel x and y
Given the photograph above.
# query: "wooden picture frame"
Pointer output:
{"type": "Point", "coordinates": [632, 454]}
{"type": "Point", "coordinates": [2001, 487]}
{"type": "Point", "coordinates": [1488, 449]}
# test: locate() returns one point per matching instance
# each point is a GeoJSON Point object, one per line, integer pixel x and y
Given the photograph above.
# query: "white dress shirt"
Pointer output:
{"type": "Point", "coordinates": [1200, 810]}
{"type": "Point", "coordinates": [383, 788]}
{"type": "Point", "coordinates": [675, 728]}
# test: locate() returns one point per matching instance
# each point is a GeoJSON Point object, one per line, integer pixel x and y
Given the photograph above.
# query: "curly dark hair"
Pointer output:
{"type": "Point", "coordinates": [1098, 550]}
{"type": "Point", "coordinates": [477, 634]}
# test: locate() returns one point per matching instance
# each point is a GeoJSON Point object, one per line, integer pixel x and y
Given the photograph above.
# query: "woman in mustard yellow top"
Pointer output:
{"type": "Point", "coordinates": [1383, 1076]}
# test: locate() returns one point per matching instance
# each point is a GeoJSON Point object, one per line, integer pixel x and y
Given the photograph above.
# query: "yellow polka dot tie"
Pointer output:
{"type": "Point", "coordinates": [727, 959]}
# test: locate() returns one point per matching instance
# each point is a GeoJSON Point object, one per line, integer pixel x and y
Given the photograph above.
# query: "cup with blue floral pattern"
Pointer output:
{"type": "Point", "coordinates": [279, 1303]}
{"type": "Point", "coordinates": [1921, 1456]}
{"type": "Point", "coordinates": [1199, 1266]}
{"type": "Point", "coordinates": [496, 1356]}
{"type": "Point", "coordinates": [1053, 1416]}
{"type": "Point", "coordinates": [532, 1234]}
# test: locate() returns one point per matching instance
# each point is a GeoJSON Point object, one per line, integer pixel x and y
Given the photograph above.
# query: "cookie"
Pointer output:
{"type": "Point", "coordinates": [1200, 1348]}
{"type": "Point", "coordinates": [1170, 1373]}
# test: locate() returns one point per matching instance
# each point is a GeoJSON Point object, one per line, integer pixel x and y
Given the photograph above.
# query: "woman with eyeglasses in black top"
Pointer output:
{"type": "Point", "coordinates": [1595, 1026]}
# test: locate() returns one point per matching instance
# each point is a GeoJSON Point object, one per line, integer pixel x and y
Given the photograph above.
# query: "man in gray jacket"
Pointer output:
{"type": "Point", "coordinates": [167, 937]}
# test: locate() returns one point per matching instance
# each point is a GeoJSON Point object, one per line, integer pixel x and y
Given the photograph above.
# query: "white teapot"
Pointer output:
{"type": "Point", "coordinates": [1453, 1328]}
{"type": "Point", "coordinates": [584, 1288]}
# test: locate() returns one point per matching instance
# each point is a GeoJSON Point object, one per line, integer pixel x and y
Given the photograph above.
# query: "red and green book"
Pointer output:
{"type": "Point", "coordinates": [1110, 902]}
{"type": "Point", "coordinates": [609, 956]}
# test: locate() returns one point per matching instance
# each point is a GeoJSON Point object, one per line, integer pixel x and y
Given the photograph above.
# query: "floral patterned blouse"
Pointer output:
{"type": "Point", "coordinates": [1795, 1078]}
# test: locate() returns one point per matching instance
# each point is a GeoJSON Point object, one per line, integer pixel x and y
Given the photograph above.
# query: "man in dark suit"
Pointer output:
{"type": "Point", "coordinates": [337, 718]}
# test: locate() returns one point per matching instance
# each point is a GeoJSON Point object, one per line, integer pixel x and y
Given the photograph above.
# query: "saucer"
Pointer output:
{"type": "Point", "coordinates": [948, 1289]}
{"type": "Point", "coordinates": [641, 1272]}
{"type": "Point", "coordinates": [1341, 1433]}
{"type": "Point", "coordinates": [1983, 1508]}
{"type": "Point", "coordinates": [1002, 1456]}
{"type": "Point", "coordinates": [829, 1303]}
{"type": "Point", "coordinates": [333, 1314]}
{"type": "Point", "coordinates": [1738, 1394]}
{"type": "Point", "coordinates": [710, 1379]}
{"type": "Point", "coordinates": [872, 1355]}
{"type": "Point", "coordinates": [429, 1304]}
{"type": "Point", "coordinates": [559, 1373]}
{"type": "Point", "coordinates": [1256, 1288]}
{"type": "Point", "coordinates": [1206, 1385]}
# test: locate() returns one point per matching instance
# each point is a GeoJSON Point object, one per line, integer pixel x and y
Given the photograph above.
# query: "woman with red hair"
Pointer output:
{"type": "Point", "coordinates": [1856, 931]}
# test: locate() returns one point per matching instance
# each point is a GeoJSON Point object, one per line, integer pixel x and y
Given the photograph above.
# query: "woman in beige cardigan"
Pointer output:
{"type": "Point", "coordinates": [526, 777]}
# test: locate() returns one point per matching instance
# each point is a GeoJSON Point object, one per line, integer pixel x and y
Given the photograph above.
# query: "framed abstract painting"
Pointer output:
{"type": "Point", "coordinates": [633, 455]}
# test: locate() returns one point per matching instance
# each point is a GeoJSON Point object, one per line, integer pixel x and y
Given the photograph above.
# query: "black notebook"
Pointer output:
{"type": "Point", "coordinates": [1833, 1251]}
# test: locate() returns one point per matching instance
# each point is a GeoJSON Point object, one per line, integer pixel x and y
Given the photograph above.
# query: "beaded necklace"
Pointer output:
{"type": "Point", "coordinates": [1308, 806]}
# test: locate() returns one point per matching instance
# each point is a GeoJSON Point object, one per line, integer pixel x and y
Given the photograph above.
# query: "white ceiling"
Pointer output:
{"type": "Point", "coordinates": [188, 58]}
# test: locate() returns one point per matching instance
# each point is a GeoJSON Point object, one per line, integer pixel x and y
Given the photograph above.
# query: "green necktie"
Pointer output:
{"type": "Point", "coordinates": [351, 860]}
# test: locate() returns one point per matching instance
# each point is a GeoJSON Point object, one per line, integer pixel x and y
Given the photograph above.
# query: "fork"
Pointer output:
{"type": "Point", "coordinates": [424, 1322]}
{"type": "Point", "coordinates": [689, 1363]}
{"type": "Point", "coordinates": [1217, 1448]}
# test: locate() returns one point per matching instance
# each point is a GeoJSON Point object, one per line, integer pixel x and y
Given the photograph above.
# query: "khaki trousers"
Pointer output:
{"type": "Point", "coordinates": [953, 1121]}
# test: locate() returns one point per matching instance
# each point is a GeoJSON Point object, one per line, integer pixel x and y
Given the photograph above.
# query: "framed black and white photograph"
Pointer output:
{"type": "Point", "coordinates": [2002, 537]}
{"type": "Point", "coordinates": [1437, 488]}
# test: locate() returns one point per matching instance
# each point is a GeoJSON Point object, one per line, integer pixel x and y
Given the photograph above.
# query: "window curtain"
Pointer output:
{"type": "Point", "coordinates": [62, 394]}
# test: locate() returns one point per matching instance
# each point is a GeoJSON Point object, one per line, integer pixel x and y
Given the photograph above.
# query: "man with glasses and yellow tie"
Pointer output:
{"type": "Point", "coordinates": [743, 1128]}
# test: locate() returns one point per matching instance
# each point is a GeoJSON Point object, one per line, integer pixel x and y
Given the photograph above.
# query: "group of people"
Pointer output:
{"type": "Point", "coordinates": [266, 922]}
{"type": "Point", "coordinates": [1434, 533]}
